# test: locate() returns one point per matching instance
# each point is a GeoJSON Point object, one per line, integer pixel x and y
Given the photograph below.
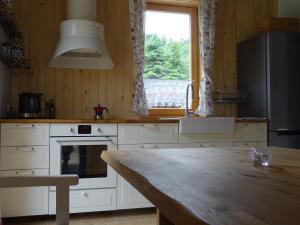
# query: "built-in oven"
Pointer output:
{"type": "Point", "coordinates": [81, 155]}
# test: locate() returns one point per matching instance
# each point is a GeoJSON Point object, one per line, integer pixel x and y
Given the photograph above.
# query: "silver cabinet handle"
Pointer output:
{"type": "Point", "coordinates": [149, 147]}
{"type": "Point", "coordinates": [85, 141]}
{"type": "Point", "coordinates": [25, 125]}
{"type": "Point", "coordinates": [25, 149]}
{"type": "Point", "coordinates": [25, 173]}
{"type": "Point", "coordinates": [150, 126]}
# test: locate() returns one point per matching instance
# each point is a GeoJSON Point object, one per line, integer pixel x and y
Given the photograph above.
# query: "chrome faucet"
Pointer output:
{"type": "Point", "coordinates": [189, 86]}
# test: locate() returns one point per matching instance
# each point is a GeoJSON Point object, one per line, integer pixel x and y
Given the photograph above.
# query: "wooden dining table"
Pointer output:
{"type": "Point", "coordinates": [214, 186]}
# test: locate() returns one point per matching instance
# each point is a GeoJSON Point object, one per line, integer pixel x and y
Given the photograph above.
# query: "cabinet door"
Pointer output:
{"type": "Point", "coordinates": [29, 201]}
{"type": "Point", "coordinates": [127, 196]}
{"type": "Point", "coordinates": [17, 134]}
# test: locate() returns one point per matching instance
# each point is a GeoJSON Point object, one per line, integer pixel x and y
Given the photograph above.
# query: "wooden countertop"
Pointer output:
{"type": "Point", "coordinates": [143, 120]}
{"type": "Point", "coordinates": [214, 186]}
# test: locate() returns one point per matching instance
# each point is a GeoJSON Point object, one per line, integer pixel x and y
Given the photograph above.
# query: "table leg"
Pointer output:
{"type": "Point", "coordinates": [162, 219]}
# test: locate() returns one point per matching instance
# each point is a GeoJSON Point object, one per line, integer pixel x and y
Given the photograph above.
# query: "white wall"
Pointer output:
{"type": "Point", "coordinates": [4, 81]}
{"type": "Point", "coordinates": [289, 8]}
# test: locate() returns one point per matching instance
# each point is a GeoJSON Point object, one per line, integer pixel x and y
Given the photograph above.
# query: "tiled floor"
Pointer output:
{"type": "Point", "coordinates": [136, 217]}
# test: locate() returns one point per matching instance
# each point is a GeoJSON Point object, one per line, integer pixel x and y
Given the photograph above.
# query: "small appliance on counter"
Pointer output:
{"type": "Point", "coordinates": [100, 112]}
{"type": "Point", "coordinates": [29, 105]}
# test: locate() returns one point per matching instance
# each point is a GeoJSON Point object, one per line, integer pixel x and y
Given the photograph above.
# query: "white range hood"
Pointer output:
{"type": "Point", "coordinates": [81, 44]}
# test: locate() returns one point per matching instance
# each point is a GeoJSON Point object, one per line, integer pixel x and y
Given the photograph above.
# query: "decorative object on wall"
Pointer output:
{"type": "Point", "coordinates": [137, 26]}
{"type": "Point", "coordinates": [12, 52]}
{"type": "Point", "coordinates": [207, 23]}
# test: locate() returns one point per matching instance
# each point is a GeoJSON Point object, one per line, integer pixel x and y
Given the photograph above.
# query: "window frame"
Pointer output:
{"type": "Point", "coordinates": [193, 12]}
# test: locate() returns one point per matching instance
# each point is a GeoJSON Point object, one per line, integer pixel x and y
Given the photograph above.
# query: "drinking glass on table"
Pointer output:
{"type": "Point", "coordinates": [261, 156]}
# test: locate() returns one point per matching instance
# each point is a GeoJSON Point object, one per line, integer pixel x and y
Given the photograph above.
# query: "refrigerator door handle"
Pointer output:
{"type": "Point", "coordinates": [286, 132]}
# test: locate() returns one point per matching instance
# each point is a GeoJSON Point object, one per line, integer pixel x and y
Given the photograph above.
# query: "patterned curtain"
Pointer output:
{"type": "Point", "coordinates": [207, 22]}
{"type": "Point", "coordinates": [137, 10]}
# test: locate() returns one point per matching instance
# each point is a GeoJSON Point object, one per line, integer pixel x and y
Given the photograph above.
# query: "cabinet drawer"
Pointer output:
{"type": "Point", "coordinates": [72, 130]}
{"type": "Point", "coordinates": [29, 201]}
{"type": "Point", "coordinates": [29, 157]}
{"type": "Point", "coordinates": [24, 134]}
{"type": "Point", "coordinates": [147, 133]}
{"type": "Point", "coordinates": [256, 132]}
{"type": "Point", "coordinates": [87, 200]}
{"type": "Point", "coordinates": [251, 144]}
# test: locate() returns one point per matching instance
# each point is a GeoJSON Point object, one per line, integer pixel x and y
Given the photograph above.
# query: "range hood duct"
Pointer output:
{"type": "Point", "coordinates": [81, 44]}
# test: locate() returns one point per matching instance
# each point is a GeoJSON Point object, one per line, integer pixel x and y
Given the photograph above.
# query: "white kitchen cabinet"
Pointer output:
{"type": "Point", "coordinates": [87, 200]}
{"type": "Point", "coordinates": [141, 133]}
{"type": "Point", "coordinates": [27, 157]}
{"type": "Point", "coordinates": [29, 201]}
{"type": "Point", "coordinates": [251, 132]}
{"type": "Point", "coordinates": [16, 134]}
{"type": "Point", "coordinates": [128, 197]}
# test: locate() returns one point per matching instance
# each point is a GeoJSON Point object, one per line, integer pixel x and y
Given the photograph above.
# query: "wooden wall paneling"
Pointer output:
{"type": "Point", "coordinates": [250, 13]}
{"type": "Point", "coordinates": [15, 84]}
{"type": "Point", "coordinates": [60, 10]}
{"type": "Point", "coordinates": [59, 93]}
{"type": "Point", "coordinates": [94, 87]}
{"type": "Point", "coordinates": [85, 94]}
{"type": "Point", "coordinates": [67, 93]}
{"type": "Point", "coordinates": [111, 33]}
{"type": "Point", "coordinates": [24, 26]}
{"type": "Point", "coordinates": [33, 45]}
{"type": "Point", "coordinates": [51, 24]}
{"type": "Point", "coordinates": [42, 44]}
{"type": "Point", "coordinates": [103, 75]}
{"type": "Point", "coordinates": [227, 68]}
{"type": "Point", "coordinates": [128, 73]}
{"type": "Point", "coordinates": [121, 63]}
{"type": "Point", "coordinates": [102, 92]}
{"type": "Point", "coordinates": [217, 71]}
{"type": "Point", "coordinates": [76, 94]}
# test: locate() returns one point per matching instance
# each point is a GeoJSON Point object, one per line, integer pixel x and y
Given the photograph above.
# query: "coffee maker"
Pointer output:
{"type": "Point", "coordinates": [29, 105]}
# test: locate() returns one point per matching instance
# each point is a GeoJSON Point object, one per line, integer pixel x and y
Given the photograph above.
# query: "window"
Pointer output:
{"type": "Point", "coordinates": [171, 58]}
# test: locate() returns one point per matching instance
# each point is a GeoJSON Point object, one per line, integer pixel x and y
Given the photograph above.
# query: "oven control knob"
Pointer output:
{"type": "Point", "coordinates": [84, 194]}
{"type": "Point", "coordinates": [99, 130]}
{"type": "Point", "coordinates": [72, 130]}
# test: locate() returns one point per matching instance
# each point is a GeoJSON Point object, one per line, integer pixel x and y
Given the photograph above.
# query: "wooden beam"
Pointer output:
{"type": "Point", "coordinates": [162, 219]}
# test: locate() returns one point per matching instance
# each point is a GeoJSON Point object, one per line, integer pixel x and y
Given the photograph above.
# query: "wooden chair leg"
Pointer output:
{"type": "Point", "coordinates": [162, 219]}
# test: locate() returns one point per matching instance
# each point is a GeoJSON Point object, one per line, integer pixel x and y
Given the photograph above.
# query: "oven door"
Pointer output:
{"type": "Point", "coordinates": [81, 156]}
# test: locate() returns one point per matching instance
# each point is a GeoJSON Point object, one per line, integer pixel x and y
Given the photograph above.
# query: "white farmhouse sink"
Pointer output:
{"type": "Point", "coordinates": [198, 125]}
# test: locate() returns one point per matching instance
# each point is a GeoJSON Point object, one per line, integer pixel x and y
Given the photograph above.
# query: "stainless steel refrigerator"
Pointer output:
{"type": "Point", "coordinates": [269, 69]}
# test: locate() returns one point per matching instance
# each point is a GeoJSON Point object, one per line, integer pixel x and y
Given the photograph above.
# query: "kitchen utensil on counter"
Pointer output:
{"type": "Point", "coordinates": [100, 112]}
{"type": "Point", "coordinates": [29, 105]}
